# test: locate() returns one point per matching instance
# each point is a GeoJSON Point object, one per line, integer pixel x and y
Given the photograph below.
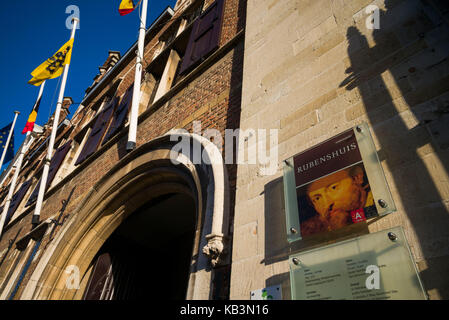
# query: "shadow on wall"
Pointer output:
{"type": "Point", "coordinates": [276, 245]}
{"type": "Point", "coordinates": [403, 81]}
{"type": "Point", "coordinates": [411, 50]}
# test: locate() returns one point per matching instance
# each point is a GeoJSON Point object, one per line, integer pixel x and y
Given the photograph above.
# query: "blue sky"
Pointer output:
{"type": "Point", "coordinates": [31, 31]}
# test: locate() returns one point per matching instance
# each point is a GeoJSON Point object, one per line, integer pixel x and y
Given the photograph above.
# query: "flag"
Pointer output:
{"type": "Point", "coordinates": [53, 66]}
{"type": "Point", "coordinates": [3, 137]}
{"type": "Point", "coordinates": [127, 6]}
{"type": "Point", "coordinates": [32, 117]}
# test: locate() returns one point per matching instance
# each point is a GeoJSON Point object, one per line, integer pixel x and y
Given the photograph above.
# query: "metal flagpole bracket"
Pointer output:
{"type": "Point", "coordinates": [35, 220]}
{"type": "Point", "coordinates": [130, 146]}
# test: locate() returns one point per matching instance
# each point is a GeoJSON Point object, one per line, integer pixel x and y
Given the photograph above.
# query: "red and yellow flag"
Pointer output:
{"type": "Point", "coordinates": [32, 117]}
{"type": "Point", "coordinates": [127, 6]}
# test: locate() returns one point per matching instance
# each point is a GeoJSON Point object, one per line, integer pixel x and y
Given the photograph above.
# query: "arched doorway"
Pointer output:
{"type": "Point", "coordinates": [147, 174]}
{"type": "Point", "coordinates": [137, 260]}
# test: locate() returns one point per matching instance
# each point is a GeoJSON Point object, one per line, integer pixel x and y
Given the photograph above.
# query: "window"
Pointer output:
{"type": "Point", "coordinates": [98, 131]}
{"type": "Point", "coordinates": [205, 36]}
{"type": "Point", "coordinates": [148, 92]}
{"type": "Point", "coordinates": [193, 12]}
{"type": "Point", "coordinates": [15, 200]}
{"type": "Point", "coordinates": [57, 160]}
{"type": "Point", "coordinates": [168, 75]}
{"type": "Point", "coordinates": [55, 163]}
{"type": "Point", "coordinates": [120, 114]}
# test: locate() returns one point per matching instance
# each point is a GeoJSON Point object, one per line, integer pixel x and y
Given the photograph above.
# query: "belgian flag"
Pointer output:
{"type": "Point", "coordinates": [32, 117]}
{"type": "Point", "coordinates": [127, 6]}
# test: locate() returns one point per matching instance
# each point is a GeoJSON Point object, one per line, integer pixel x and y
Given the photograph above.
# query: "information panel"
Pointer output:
{"type": "Point", "coordinates": [377, 266]}
{"type": "Point", "coordinates": [334, 184]}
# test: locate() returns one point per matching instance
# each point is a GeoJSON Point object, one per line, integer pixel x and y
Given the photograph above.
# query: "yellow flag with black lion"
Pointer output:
{"type": "Point", "coordinates": [53, 66]}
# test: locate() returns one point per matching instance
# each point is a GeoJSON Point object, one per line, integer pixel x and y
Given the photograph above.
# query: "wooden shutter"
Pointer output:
{"type": "Point", "coordinates": [16, 199]}
{"type": "Point", "coordinates": [55, 163]}
{"type": "Point", "coordinates": [97, 132]}
{"type": "Point", "coordinates": [205, 36]}
{"type": "Point", "coordinates": [33, 195]}
{"type": "Point", "coordinates": [120, 114]}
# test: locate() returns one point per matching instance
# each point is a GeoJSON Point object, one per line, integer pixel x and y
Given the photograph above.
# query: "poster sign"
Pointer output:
{"type": "Point", "coordinates": [376, 266]}
{"type": "Point", "coordinates": [334, 184]}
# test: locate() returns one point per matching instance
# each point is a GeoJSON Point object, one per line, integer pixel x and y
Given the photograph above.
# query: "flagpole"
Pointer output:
{"type": "Point", "coordinates": [133, 118]}
{"type": "Point", "coordinates": [9, 138]}
{"type": "Point", "coordinates": [40, 196]}
{"type": "Point", "coordinates": [17, 166]}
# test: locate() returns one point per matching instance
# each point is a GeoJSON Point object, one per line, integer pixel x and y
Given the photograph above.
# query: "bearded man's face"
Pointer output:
{"type": "Point", "coordinates": [334, 193]}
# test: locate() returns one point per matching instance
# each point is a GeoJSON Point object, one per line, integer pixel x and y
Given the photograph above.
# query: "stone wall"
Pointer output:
{"type": "Point", "coordinates": [312, 70]}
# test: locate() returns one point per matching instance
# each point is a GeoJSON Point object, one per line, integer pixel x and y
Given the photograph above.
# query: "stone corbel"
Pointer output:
{"type": "Point", "coordinates": [215, 249]}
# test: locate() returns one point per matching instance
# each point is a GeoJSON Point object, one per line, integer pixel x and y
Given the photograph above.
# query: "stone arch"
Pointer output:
{"type": "Point", "coordinates": [119, 194]}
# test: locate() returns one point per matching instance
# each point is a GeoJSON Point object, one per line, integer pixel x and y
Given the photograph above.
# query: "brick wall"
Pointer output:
{"type": "Point", "coordinates": [213, 97]}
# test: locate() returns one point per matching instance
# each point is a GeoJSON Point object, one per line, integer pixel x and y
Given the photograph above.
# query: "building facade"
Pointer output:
{"type": "Point", "coordinates": [193, 62]}
{"type": "Point", "coordinates": [231, 89]}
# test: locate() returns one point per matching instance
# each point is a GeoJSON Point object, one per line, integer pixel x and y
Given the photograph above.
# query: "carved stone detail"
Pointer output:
{"type": "Point", "coordinates": [215, 249]}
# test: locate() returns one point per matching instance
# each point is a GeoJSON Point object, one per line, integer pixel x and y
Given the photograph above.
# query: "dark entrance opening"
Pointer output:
{"type": "Point", "coordinates": [149, 255]}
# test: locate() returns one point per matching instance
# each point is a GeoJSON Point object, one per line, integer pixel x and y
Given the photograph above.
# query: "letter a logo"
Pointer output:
{"type": "Point", "coordinates": [358, 215]}
{"type": "Point", "coordinates": [373, 281]}
{"type": "Point", "coordinates": [73, 280]}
